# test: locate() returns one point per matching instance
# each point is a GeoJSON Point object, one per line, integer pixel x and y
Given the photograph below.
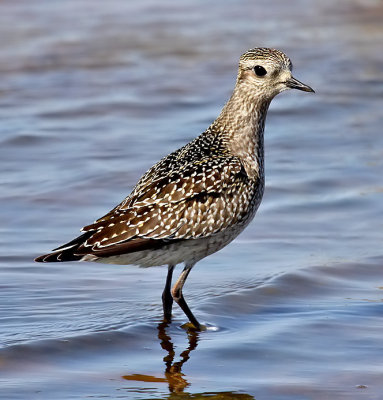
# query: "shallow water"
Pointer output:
{"type": "Point", "coordinates": [92, 93]}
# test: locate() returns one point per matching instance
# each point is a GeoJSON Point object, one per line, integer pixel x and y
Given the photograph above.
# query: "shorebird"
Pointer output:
{"type": "Point", "coordinates": [197, 199]}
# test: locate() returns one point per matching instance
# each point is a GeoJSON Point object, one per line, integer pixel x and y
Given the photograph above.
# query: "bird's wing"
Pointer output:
{"type": "Point", "coordinates": [202, 199]}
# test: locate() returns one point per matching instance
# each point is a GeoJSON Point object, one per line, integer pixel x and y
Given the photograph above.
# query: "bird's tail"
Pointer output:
{"type": "Point", "coordinates": [66, 252]}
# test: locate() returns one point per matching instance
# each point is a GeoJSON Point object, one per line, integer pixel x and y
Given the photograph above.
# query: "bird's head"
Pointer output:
{"type": "Point", "coordinates": [268, 72]}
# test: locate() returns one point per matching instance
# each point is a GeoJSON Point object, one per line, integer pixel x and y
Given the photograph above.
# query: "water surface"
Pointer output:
{"type": "Point", "coordinates": [91, 95]}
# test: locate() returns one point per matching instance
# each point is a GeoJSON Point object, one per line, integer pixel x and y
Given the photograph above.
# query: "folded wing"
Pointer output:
{"type": "Point", "coordinates": [204, 198]}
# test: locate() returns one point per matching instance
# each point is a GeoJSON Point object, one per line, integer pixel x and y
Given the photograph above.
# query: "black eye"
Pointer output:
{"type": "Point", "coordinates": [259, 70]}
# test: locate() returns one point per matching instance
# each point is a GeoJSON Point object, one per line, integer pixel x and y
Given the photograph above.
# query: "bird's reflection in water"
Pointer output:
{"type": "Point", "coordinates": [173, 370]}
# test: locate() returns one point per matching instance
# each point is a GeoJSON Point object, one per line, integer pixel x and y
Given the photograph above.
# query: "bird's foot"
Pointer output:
{"type": "Point", "coordinates": [191, 327]}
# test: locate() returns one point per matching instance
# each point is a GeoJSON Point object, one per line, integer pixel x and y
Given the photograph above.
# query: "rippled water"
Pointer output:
{"type": "Point", "coordinates": [91, 95]}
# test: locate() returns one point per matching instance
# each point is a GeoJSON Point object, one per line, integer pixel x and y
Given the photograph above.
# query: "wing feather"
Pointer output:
{"type": "Point", "coordinates": [199, 202]}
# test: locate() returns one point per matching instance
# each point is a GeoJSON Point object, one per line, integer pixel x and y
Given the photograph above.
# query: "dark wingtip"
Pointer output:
{"type": "Point", "coordinates": [40, 258]}
{"type": "Point", "coordinates": [59, 256]}
{"type": "Point", "coordinates": [66, 252]}
{"type": "Point", "coordinates": [51, 257]}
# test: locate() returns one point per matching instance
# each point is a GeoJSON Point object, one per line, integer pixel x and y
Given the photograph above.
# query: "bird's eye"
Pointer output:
{"type": "Point", "coordinates": [259, 70]}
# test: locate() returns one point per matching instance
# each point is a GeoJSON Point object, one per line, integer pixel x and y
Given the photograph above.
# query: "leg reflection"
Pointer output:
{"type": "Point", "coordinates": [173, 371]}
{"type": "Point", "coordinates": [174, 377]}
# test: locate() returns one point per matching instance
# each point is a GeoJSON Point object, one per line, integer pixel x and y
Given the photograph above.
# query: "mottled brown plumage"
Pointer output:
{"type": "Point", "coordinates": [199, 198]}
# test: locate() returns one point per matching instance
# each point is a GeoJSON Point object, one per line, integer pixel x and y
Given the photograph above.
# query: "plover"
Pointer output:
{"type": "Point", "coordinates": [197, 199]}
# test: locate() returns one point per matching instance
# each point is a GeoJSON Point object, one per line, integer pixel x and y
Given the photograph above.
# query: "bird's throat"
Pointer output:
{"type": "Point", "coordinates": [242, 123]}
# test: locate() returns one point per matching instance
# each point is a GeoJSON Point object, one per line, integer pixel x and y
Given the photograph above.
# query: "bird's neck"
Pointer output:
{"type": "Point", "coordinates": [241, 124]}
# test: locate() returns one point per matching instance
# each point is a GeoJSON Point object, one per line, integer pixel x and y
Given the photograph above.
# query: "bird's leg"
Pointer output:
{"type": "Point", "coordinates": [167, 299]}
{"type": "Point", "coordinates": [179, 298]}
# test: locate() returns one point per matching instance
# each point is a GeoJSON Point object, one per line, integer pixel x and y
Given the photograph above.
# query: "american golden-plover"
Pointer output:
{"type": "Point", "coordinates": [197, 199]}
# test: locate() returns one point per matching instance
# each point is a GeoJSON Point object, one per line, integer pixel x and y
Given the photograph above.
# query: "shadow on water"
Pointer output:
{"type": "Point", "coordinates": [173, 375]}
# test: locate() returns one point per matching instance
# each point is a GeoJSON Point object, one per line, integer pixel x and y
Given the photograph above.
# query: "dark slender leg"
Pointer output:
{"type": "Point", "coordinates": [179, 298]}
{"type": "Point", "coordinates": [167, 298]}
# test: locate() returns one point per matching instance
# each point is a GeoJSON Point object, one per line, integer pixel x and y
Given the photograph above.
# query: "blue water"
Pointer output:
{"type": "Point", "coordinates": [91, 95]}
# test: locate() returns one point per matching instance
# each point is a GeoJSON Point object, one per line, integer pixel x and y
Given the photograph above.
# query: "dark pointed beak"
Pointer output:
{"type": "Point", "coordinates": [293, 83]}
